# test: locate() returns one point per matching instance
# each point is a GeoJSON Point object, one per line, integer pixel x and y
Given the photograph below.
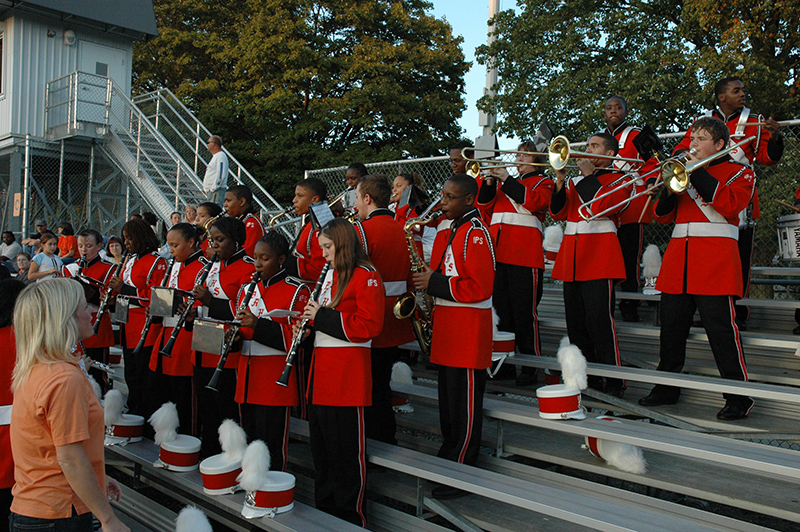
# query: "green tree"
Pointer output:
{"type": "Point", "coordinates": [299, 84]}
{"type": "Point", "coordinates": [561, 61]}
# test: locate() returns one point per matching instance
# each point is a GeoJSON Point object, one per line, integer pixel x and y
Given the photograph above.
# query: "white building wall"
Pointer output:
{"type": "Point", "coordinates": [32, 59]}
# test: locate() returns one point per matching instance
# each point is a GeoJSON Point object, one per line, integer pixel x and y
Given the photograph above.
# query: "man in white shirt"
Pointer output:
{"type": "Point", "coordinates": [9, 250]}
{"type": "Point", "coordinates": [216, 178]}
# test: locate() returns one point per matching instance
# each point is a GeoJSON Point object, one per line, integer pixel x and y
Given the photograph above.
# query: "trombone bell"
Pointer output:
{"type": "Point", "coordinates": [559, 152]}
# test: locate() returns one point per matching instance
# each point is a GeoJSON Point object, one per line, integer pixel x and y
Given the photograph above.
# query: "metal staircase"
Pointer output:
{"type": "Point", "coordinates": [162, 162]}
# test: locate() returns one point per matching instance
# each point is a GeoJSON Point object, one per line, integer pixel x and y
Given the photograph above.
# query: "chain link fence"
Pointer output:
{"type": "Point", "coordinates": [775, 183]}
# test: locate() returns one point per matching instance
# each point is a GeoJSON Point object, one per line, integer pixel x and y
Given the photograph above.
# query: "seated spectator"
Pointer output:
{"type": "Point", "coordinates": [114, 249]}
{"type": "Point", "coordinates": [174, 219]}
{"type": "Point", "coordinates": [67, 243]}
{"type": "Point", "coordinates": [32, 243]}
{"type": "Point", "coordinates": [9, 250]}
{"type": "Point", "coordinates": [23, 265]}
{"type": "Point", "coordinates": [190, 214]}
{"type": "Point", "coordinates": [46, 264]}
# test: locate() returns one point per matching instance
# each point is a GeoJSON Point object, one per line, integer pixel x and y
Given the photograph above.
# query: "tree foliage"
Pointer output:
{"type": "Point", "coordinates": [299, 84]}
{"type": "Point", "coordinates": [561, 61]}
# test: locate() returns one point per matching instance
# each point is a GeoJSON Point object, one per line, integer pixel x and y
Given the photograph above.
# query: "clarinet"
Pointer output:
{"type": "Point", "coordinates": [226, 349]}
{"type": "Point", "coordinates": [107, 297]}
{"type": "Point", "coordinates": [283, 380]}
{"type": "Point", "coordinates": [149, 321]}
{"type": "Point", "coordinates": [167, 349]}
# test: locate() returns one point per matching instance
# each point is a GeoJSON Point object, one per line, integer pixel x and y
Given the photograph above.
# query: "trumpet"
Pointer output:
{"type": "Point", "coordinates": [673, 174]}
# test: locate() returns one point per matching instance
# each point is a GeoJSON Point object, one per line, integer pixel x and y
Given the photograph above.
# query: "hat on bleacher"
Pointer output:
{"type": "Point", "coordinates": [219, 472]}
{"type": "Point", "coordinates": [268, 492]}
{"type": "Point", "coordinates": [178, 452]}
{"type": "Point", "coordinates": [121, 429]}
{"type": "Point", "coordinates": [553, 235]}
{"type": "Point", "coordinates": [563, 401]}
{"type": "Point", "coordinates": [192, 519]}
{"type": "Point", "coordinates": [620, 455]}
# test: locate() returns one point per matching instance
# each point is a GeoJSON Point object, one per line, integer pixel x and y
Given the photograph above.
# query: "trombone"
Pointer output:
{"type": "Point", "coordinates": [673, 174]}
{"type": "Point", "coordinates": [559, 154]}
{"type": "Point", "coordinates": [282, 213]}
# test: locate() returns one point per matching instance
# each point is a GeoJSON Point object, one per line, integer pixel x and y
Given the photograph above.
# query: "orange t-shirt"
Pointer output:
{"type": "Point", "coordinates": [68, 242]}
{"type": "Point", "coordinates": [55, 406]}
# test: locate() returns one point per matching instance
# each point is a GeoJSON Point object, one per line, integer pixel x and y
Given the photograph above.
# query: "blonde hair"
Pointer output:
{"type": "Point", "coordinates": [45, 325]}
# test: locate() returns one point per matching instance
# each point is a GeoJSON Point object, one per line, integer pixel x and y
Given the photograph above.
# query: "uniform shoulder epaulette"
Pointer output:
{"type": "Point", "coordinates": [248, 259]}
{"type": "Point", "coordinates": [294, 281]}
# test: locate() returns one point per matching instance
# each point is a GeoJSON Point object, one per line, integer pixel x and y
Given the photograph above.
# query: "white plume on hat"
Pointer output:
{"type": "Point", "coordinates": [573, 365]}
{"type": "Point", "coordinates": [553, 235]}
{"type": "Point", "coordinates": [112, 407]}
{"type": "Point", "coordinates": [495, 320]}
{"type": "Point", "coordinates": [165, 423]}
{"type": "Point", "coordinates": [191, 519]}
{"type": "Point", "coordinates": [401, 373]}
{"type": "Point", "coordinates": [233, 439]}
{"type": "Point", "coordinates": [624, 457]}
{"type": "Point", "coordinates": [652, 261]}
{"type": "Point", "coordinates": [255, 466]}
{"type": "Point", "coordinates": [98, 392]}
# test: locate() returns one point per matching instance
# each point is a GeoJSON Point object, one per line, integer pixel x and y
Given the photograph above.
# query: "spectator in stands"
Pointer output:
{"type": "Point", "coordinates": [67, 243]}
{"type": "Point", "coordinates": [31, 244]}
{"type": "Point", "coordinates": [215, 182]}
{"type": "Point", "coordinates": [9, 290]}
{"type": "Point", "coordinates": [47, 263]}
{"type": "Point", "coordinates": [114, 248]}
{"type": "Point", "coordinates": [190, 214]}
{"type": "Point", "coordinates": [9, 250]}
{"type": "Point", "coordinates": [23, 265]}
{"type": "Point", "coordinates": [174, 219]}
{"type": "Point", "coordinates": [56, 420]}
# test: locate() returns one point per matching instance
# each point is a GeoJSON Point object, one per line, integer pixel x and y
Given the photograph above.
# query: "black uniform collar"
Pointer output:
{"type": "Point", "coordinates": [733, 116]}
{"type": "Point", "coordinates": [383, 211]}
{"type": "Point", "coordinates": [95, 260]}
{"type": "Point", "coordinates": [193, 257]}
{"type": "Point", "coordinates": [278, 277]}
{"type": "Point", "coordinates": [537, 172]}
{"type": "Point", "coordinates": [236, 256]}
{"type": "Point", "coordinates": [619, 129]}
{"type": "Point", "coordinates": [466, 218]}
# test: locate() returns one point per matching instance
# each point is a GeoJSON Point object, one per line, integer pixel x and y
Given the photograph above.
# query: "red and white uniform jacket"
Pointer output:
{"type": "Point", "coordinates": [764, 149]}
{"type": "Point", "coordinates": [101, 271]}
{"type": "Point", "coordinates": [341, 369]}
{"type": "Point", "coordinates": [462, 283]}
{"type": "Point", "coordinates": [517, 211]}
{"type": "Point", "coordinates": [308, 254]}
{"type": "Point", "coordinates": [140, 274]}
{"type": "Point", "coordinates": [589, 250]}
{"type": "Point", "coordinates": [703, 255]}
{"type": "Point", "coordinates": [385, 243]}
{"type": "Point", "coordinates": [184, 276]}
{"type": "Point", "coordinates": [224, 281]}
{"type": "Point", "coordinates": [264, 351]}
{"type": "Point", "coordinates": [254, 230]}
{"type": "Point", "coordinates": [625, 135]}
{"type": "Point", "coordinates": [7, 362]}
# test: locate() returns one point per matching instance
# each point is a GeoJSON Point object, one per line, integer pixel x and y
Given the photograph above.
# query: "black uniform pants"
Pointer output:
{"type": "Point", "coordinates": [338, 447]}
{"type": "Point", "coordinates": [379, 417]}
{"type": "Point", "coordinates": [214, 407]}
{"type": "Point", "coordinates": [461, 413]}
{"type": "Point", "coordinates": [589, 311]}
{"type": "Point", "coordinates": [517, 292]}
{"type": "Point", "coordinates": [136, 379]}
{"type": "Point", "coordinates": [717, 314]}
{"type": "Point", "coordinates": [269, 424]}
{"type": "Point", "coordinates": [746, 237]}
{"type": "Point", "coordinates": [631, 239]}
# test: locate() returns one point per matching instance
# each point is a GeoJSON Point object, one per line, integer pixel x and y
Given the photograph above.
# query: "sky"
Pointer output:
{"type": "Point", "coordinates": [468, 19]}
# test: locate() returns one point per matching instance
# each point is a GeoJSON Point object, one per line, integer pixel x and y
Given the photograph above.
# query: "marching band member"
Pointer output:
{"type": "Point", "coordinates": [265, 406]}
{"type": "Point", "coordinates": [730, 96]}
{"type": "Point", "coordinates": [143, 270]}
{"type": "Point", "coordinates": [306, 250]}
{"type": "Point", "coordinates": [424, 236]}
{"type": "Point", "coordinates": [347, 317]}
{"type": "Point", "coordinates": [700, 270]}
{"type": "Point", "coordinates": [91, 265]}
{"type": "Point", "coordinates": [172, 376]}
{"type": "Point", "coordinates": [385, 243]}
{"type": "Point", "coordinates": [462, 282]}
{"type": "Point", "coordinates": [239, 204]}
{"type": "Point", "coordinates": [631, 230]}
{"type": "Point", "coordinates": [516, 210]}
{"type": "Point", "coordinates": [206, 211]}
{"type": "Point", "coordinates": [457, 162]}
{"type": "Point", "coordinates": [590, 260]}
{"type": "Point", "coordinates": [233, 269]}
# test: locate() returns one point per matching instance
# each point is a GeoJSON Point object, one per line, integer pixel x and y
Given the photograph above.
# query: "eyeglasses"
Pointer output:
{"type": "Point", "coordinates": [449, 197]}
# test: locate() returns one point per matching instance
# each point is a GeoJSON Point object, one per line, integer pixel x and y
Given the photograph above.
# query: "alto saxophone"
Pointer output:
{"type": "Point", "coordinates": [417, 304]}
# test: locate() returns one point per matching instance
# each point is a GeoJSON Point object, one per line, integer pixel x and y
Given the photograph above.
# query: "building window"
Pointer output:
{"type": "Point", "coordinates": [101, 69]}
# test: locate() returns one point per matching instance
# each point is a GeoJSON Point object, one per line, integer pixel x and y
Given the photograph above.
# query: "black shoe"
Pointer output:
{"type": "Point", "coordinates": [630, 316]}
{"type": "Point", "coordinates": [616, 392]}
{"type": "Point", "coordinates": [444, 493]}
{"type": "Point", "coordinates": [732, 411]}
{"type": "Point", "coordinates": [742, 326]}
{"type": "Point", "coordinates": [796, 330]}
{"type": "Point", "coordinates": [526, 379]}
{"type": "Point", "coordinates": [653, 399]}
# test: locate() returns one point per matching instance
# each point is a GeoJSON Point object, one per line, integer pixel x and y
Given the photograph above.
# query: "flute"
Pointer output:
{"type": "Point", "coordinates": [149, 322]}
{"type": "Point", "coordinates": [201, 280]}
{"type": "Point", "coordinates": [107, 297]}
{"type": "Point", "coordinates": [283, 380]}
{"type": "Point", "coordinates": [226, 349]}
